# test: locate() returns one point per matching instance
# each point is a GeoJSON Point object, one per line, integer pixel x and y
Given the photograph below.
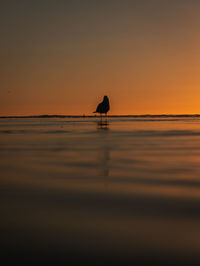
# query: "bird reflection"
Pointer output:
{"type": "Point", "coordinates": [104, 150]}
{"type": "Point", "coordinates": [103, 125]}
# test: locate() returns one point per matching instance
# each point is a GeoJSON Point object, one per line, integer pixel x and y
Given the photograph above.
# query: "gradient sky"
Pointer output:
{"type": "Point", "coordinates": [62, 57]}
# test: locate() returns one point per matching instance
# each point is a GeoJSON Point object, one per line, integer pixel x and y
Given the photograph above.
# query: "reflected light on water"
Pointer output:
{"type": "Point", "coordinates": [124, 188]}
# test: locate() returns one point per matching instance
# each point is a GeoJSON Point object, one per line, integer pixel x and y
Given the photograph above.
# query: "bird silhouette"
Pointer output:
{"type": "Point", "coordinates": [103, 107]}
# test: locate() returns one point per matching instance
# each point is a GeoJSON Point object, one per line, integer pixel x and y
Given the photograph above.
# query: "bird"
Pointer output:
{"type": "Point", "coordinates": [104, 106]}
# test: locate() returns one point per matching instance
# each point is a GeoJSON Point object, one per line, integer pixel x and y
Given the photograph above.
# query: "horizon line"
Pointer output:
{"type": "Point", "coordinates": [93, 116]}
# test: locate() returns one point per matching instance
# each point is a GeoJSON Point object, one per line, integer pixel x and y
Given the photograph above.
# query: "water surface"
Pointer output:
{"type": "Point", "coordinates": [121, 189]}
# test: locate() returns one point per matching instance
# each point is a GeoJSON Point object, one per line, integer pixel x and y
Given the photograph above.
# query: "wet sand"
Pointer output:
{"type": "Point", "coordinates": [125, 190]}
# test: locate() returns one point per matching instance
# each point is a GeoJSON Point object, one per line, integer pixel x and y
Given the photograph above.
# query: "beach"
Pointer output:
{"type": "Point", "coordinates": [117, 189]}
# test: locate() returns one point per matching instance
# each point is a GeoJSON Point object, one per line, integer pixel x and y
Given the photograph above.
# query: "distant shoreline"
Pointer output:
{"type": "Point", "coordinates": [93, 116]}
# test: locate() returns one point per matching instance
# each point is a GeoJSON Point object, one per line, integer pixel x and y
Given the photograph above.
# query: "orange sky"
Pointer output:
{"type": "Point", "coordinates": [62, 57]}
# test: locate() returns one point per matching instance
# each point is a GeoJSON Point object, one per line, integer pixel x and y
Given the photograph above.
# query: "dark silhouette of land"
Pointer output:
{"type": "Point", "coordinates": [112, 116]}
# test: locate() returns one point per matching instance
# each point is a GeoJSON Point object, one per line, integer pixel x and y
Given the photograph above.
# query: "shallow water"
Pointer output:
{"type": "Point", "coordinates": [123, 189]}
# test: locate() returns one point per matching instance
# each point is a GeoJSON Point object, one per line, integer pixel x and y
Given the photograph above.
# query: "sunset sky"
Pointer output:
{"type": "Point", "coordinates": [62, 57]}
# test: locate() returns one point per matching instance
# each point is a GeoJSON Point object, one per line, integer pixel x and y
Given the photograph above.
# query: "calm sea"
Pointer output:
{"type": "Point", "coordinates": [121, 189]}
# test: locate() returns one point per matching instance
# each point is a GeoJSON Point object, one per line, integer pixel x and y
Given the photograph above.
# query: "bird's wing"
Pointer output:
{"type": "Point", "coordinates": [98, 108]}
